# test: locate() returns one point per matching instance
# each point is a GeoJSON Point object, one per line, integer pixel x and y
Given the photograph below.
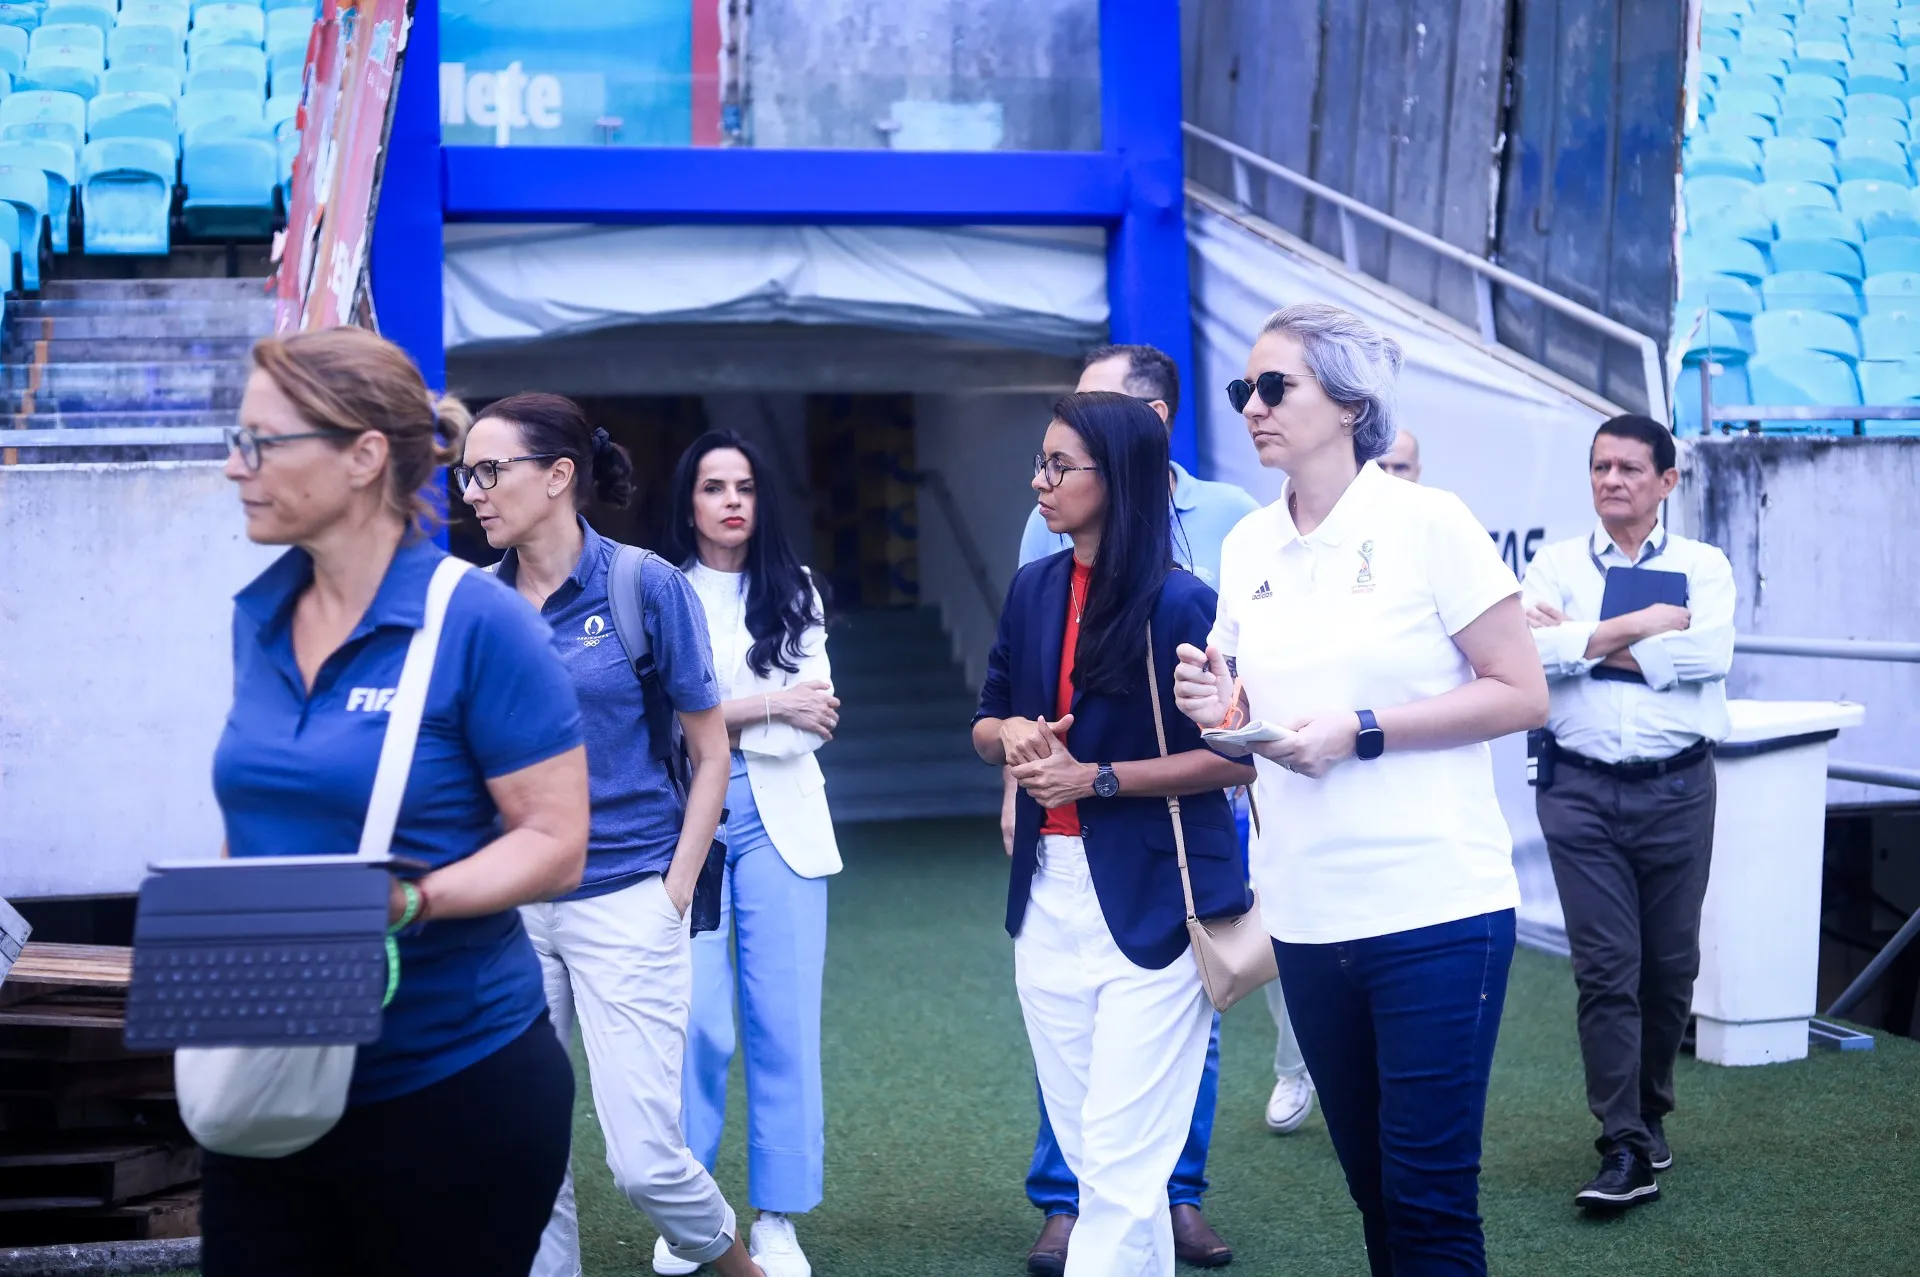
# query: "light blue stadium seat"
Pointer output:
{"type": "Point", "coordinates": [1760, 19]}
{"type": "Point", "coordinates": [1826, 128]}
{"type": "Point", "coordinates": [1706, 334]}
{"type": "Point", "coordinates": [1803, 84]}
{"type": "Point", "coordinates": [1892, 253]}
{"type": "Point", "coordinates": [1727, 294]}
{"type": "Point", "coordinates": [64, 68]}
{"type": "Point", "coordinates": [289, 52]}
{"type": "Point", "coordinates": [13, 50]}
{"type": "Point", "coordinates": [92, 13]}
{"type": "Point", "coordinates": [146, 44]}
{"type": "Point", "coordinates": [1749, 64]}
{"type": "Point", "coordinates": [55, 160]}
{"type": "Point", "coordinates": [157, 13]}
{"type": "Point", "coordinates": [1703, 255]}
{"type": "Point", "coordinates": [222, 113]}
{"type": "Point", "coordinates": [242, 56]}
{"type": "Point", "coordinates": [1727, 382]}
{"type": "Point", "coordinates": [281, 108]}
{"type": "Point", "coordinates": [67, 35]}
{"type": "Point", "coordinates": [1775, 196]}
{"type": "Point", "coordinates": [58, 117]}
{"type": "Point", "coordinates": [308, 7]}
{"type": "Point", "coordinates": [1738, 124]}
{"type": "Point", "coordinates": [1767, 41]}
{"type": "Point", "coordinates": [216, 78]}
{"type": "Point", "coordinates": [285, 23]}
{"type": "Point", "coordinates": [1703, 195]}
{"type": "Point", "coordinates": [133, 115]}
{"type": "Point", "coordinates": [1818, 30]}
{"type": "Point", "coordinates": [1873, 159]}
{"type": "Point", "coordinates": [1782, 332]}
{"type": "Point", "coordinates": [1741, 81]}
{"type": "Point", "coordinates": [1804, 378]}
{"type": "Point", "coordinates": [230, 188]}
{"type": "Point", "coordinates": [227, 23]}
{"type": "Point", "coordinates": [1894, 86]}
{"type": "Point", "coordinates": [286, 141]}
{"type": "Point", "coordinates": [141, 79]}
{"type": "Point", "coordinates": [1805, 148]}
{"type": "Point", "coordinates": [1886, 382]}
{"type": "Point", "coordinates": [1833, 69]}
{"type": "Point", "coordinates": [1797, 168]}
{"type": "Point", "coordinates": [126, 195]}
{"type": "Point", "coordinates": [288, 81]}
{"type": "Point", "coordinates": [1875, 126]}
{"type": "Point", "coordinates": [1890, 334]}
{"type": "Point", "coordinates": [1895, 290]}
{"type": "Point", "coordinates": [1864, 196]}
{"type": "Point", "coordinates": [1748, 221]}
{"type": "Point", "coordinates": [1714, 156]}
{"type": "Point", "coordinates": [1810, 290]}
{"type": "Point", "coordinates": [24, 16]}
{"type": "Point", "coordinates": [1876, 104]}
{"type": "Point", "coordinates": [1818, 223]}
{"type": "Point", "coordinates": [1720, 43]}
{"type": "Point", "coordinates": [23, 187]}
{"type": "Point", "coordinates": [1801, 104]}
{"type": "Point", "coordinates": [1747, 102]}
{"type": "Point", "coordinates": [1826, 256]}
{"type": "Point", "coordinates": [1877, 41]}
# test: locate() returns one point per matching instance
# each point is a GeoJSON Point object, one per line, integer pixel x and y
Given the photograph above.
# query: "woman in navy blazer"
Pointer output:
{"type": "Point", "coordinates": [1114, 1007]}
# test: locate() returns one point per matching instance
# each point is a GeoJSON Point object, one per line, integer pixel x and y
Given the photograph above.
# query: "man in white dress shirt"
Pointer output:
{"type": "Point", "coordinates": [1627, 800]}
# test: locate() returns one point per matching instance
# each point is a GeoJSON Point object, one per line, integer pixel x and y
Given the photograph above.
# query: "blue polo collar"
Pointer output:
{"type": "Point", "coordinates": [400, 601]}
{"type": "Point", "coordinates": [1186, 488]}
{"type": "Point", "coordinates": [582, 572]}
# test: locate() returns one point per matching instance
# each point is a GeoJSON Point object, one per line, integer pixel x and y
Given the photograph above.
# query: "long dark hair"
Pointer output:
{"type": "Point", "coordinates": [779, 593]}
{"type": "Point", "coordinates": [1127, 443]}
{"type": "Point", "coordinates": [555, 426]}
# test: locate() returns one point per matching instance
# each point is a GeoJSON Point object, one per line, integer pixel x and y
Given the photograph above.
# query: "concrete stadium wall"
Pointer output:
{"type": "Point", "coordinates": [1820, 534]}
{"type": "Point", "coordinates": [115, 668]}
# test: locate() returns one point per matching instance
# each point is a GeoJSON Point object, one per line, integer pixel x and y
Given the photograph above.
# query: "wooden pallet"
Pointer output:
{"type": "Point", "coordinates": [61, 1172]}
{"type": "Point", "coordinates": [72, 966]}
{"type": "Point", "coordinates": [164, 1215]}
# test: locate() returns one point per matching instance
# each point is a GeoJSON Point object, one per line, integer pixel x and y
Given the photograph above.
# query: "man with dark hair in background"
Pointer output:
{"type": "Point", "coordinates": [1403, 459]}
{"type": "Point", "coordinates": [1626, 783]}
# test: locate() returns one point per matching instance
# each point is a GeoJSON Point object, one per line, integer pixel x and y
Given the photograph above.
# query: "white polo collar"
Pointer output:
{"type": "Point", "coordinates": [1353, 506]}
{"type": "Point", "coordinates": [1601, 542]}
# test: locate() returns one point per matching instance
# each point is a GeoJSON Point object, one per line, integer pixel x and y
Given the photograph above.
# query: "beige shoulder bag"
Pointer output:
{"type": "Point", "coordinates": [1235, 955]}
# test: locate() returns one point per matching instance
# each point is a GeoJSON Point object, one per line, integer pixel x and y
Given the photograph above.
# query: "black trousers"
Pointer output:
{"type": "Point", "coordinates": [456, 1178]}
{"type": "Point", "coordinates": [1630, 858]}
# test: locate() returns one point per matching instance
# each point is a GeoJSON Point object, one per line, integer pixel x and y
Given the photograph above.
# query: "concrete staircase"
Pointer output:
{"type": "Point", "coordinates": [902, 751]}
{"type": "Point", "coordinates": [130, 353]}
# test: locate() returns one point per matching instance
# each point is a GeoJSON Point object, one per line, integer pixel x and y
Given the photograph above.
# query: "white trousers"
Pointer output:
{"type": "Point", "coordinates": [1119, 1050]}
{"type": "Point", "coordinates": [622, 963]}
{"type": "Point", "coordinates": [1287, 1060]}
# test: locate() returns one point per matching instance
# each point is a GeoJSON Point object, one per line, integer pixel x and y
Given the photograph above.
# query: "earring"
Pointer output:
{"type": "Point", "coordinates": [1347, 420]}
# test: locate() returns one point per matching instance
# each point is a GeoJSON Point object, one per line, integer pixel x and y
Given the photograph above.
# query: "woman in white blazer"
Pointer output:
{"type": "Point", "coordinates": [767, 625]}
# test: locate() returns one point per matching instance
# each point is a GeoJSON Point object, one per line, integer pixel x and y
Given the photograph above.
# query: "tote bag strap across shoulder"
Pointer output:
{"type": "Point", "coordinates": [1173, 803]}
{"type": "Point", "coordinates": [405, 710]}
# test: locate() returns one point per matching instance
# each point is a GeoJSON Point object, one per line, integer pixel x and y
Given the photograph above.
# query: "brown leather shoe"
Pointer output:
{"type": "Point", "coordinates": [1048, 1258]}
{"type": "Point", "coordinates": [1195, 1242]}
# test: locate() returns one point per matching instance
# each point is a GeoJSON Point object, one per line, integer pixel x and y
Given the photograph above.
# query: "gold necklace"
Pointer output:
{"type": "Point", "coordinates": [1078, 598]}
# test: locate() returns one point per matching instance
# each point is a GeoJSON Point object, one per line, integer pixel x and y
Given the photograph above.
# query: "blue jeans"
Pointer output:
{"type": "Point", "coordinates": [779, 923]}
{"type": "Point", "coordinates": [1052, 1187]}
{"type": "Point", "coordinates": [1398, 1032]}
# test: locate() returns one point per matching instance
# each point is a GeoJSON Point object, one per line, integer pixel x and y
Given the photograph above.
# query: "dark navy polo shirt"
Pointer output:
{"type": "Point", "coordinates": [636, 816]}
{"type": "Point", "coordinates": [294, 772]}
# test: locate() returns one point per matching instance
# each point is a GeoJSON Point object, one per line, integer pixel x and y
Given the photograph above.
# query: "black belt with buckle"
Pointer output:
{"type": "Point", "coordinates": [1694, 753]}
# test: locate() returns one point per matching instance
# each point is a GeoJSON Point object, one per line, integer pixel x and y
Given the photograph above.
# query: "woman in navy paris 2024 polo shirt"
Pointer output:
{"type": "Point", "coordinates": [456, 1133]}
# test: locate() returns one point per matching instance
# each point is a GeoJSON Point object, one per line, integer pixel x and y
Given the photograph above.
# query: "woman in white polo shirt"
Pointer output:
{"type": "Point", "coordinates": [1375, 621]}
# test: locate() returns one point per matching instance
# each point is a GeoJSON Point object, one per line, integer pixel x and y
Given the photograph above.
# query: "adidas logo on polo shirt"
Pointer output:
{"type": "Point", "coordinates": [1264, 592]}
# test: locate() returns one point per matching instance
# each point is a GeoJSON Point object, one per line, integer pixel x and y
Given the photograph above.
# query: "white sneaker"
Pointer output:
{"type": "Point", "coordinates": [668, 1264]}
{"type": "Point", "coordinates": [775, 1248]}
{"type": "Point", "coordinates": [1290, 1104]}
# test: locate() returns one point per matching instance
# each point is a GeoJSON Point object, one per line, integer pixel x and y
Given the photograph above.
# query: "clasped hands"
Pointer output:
{"type": "Point", "coordinates": [1206, 693]}
{"type": "Point", "coordinates": [1039, 762]}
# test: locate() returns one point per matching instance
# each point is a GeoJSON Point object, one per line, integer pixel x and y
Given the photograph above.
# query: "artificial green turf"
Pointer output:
{"type": "Point", "coordinates": [1806, 1168]}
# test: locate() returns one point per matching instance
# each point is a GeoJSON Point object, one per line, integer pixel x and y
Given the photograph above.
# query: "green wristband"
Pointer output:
{"type": "Point", "coordinates": [412, 911]}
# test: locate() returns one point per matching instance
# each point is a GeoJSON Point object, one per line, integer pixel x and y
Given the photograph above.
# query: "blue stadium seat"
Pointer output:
{"type": "Point", "coordinates": [1809, 290]}
{"type": "Point", "coordinates": [1876, 104]}
{"type": "Point", "coordinates": [1875, 126]}
{"type": "Point", "coordinates": [1704, 195]}
{"type": "Point", "coordinates": [1798, 168]}
{"type": "Point", "coordinates": [1781, 332]}
{"type": "Point", "coordinates": [13, 50]}
{"type": "Point", "coordinates": [1736, 157]}
{"type": "Point", "coordinates": [1808, 32]}
{"type": "Point", "coordinates": [288, 81]}
{"type": "Point", "coordinates": [289, 52]}
{"type": "Point", "coordinates": [1768, 42]}
{"type": "Point", "coordinates": [1739, 81]}
{"type": "Point", "coordinates": [1720, 43]}
{"type": "Point", "coordinates": [126, 195]}
{"type": "Point", "coordinates": [1872, 73]}
{"type": "Point", "coordinates": [1886, 382]}
{"type": "Point", "coordinates": [1708, 334]}
{"type": "Point", "coordinates": [1804, 378]}
{"type": "Point", "coordinates": [157, 13]}
{"type": "Point", "coordinates": [1703, 255]}
{"type": "Point", "coordinates": [1738, 124]}
{"type": "Point", "coordinates": [1826, 8]}
{"type": "Point", "coordinates": [1874, 159]}
{"type": "Point", "coordinates": [227, 23]}
{"type": "Point", "coordinates": [1728, 294]}
{"type": "Point", "coordinates": [24, 188]}
{"type": "Point", "coordinates": [141, 79]}
{"type": "Point", "coordinates": [55, 160]}
{"type": "Point", "coordinates": [1892, 253]}
{"type": "Point", "coordinates": [24, 16]}
{"type": "Point", "coordinates": [133, 115]}
{"type": "Point", "coordinates": [244, 57]}
{"type": "Point", "coordinates": [58, 117]}
{"type": "Point", "coordinates": [1727, 382]}
{"type": "Point", "coordinates": [1805, 148]}
{"type": "Point", "coordinates": [215, 78]}
{"type": "Point", "coordinates": [284, 24]}
{"type": "Point", "coordinates": [93, 13]}
{"type": "Point", "coordinates": [1818, 223]}
{"type": "Point", "coordinates": [146, 44]}
{"type": "Point", "coordinates": [1748, 102]}
{"type": "Point", "coordinates": [281, 108]}
{"type": "Point", "coordinates": [307, 7]}
{"type": "Point", "coordinates": [1803, 84]}
{"type": "Point", "coordinates": [1826, 256]}
{"type": "Point", "coordinates": [1749, 64]}
{"type": "Point", "coordinates": [1865, 196]}
{"type": "Point", "coordinates": [1798, 104]}
{"type": "Point", "coordinates": [1890, 334]}
{"type": "Point", "coordinates": [1763, 18]}
{"type": "Point", "coordinates": [221, 113]}
{"type": "Point", "coordinates": [1827, 128]}
{"type": "Point", "coordinates": [286, 141]}
{"type": "Point", "coordinates": [67, 35]}
{"type": "Point", "coordinates": [64, 68]}
{"type": "Point", "coordinates": [1895, 290]}
{"type": "Point", "coordinates": [230, 188]}
{"type": "Point", "coordinates": [1775, 196]}
{"type": "Point", "coordinates": [1832, 68]}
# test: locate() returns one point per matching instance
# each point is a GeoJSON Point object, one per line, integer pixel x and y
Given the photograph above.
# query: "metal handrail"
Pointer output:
{"type": "Point", "coordinates": [1834, 649]}
{"type": "Point", "coordinates": [1485, 272]}
{"type": "Point", "coordinates": [976, 563]}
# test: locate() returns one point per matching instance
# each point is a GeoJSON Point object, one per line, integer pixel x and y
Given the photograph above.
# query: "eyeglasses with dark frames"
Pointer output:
{"type": "Point", "coordinates": [1056, 470]}
{"type": "Point", "coordinates": [250, 443]}
{"type": "Point", "coordinates": [487, 473]}
{"type": "Point", "coordinates": [1270, 386]}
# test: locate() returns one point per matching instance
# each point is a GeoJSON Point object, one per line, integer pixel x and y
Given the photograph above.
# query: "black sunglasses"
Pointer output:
{"type": "Point", "coordinates": [1270, 386]}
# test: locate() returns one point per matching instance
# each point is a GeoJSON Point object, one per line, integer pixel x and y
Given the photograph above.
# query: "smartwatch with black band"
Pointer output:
{"type": "Point", "coordinates": [1105, 783]}
{"type": "Point", "coordinates": [1371, 742]}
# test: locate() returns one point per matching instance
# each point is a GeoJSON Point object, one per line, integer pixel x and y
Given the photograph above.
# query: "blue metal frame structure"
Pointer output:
{"type": "Point", "coordinates": [1133, 186]}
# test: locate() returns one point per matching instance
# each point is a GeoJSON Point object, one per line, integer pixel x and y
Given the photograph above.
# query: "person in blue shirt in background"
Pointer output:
{"type": "Point", "coordinates": [616, 952]}
{"type": "Point", "coordinates": [455, 1135]}
{"type": "Point", "coordinates": [1203, 513]}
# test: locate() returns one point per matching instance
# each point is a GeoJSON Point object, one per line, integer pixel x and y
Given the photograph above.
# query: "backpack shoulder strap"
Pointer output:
{"type": "Point", "coordinates": [626, 595]}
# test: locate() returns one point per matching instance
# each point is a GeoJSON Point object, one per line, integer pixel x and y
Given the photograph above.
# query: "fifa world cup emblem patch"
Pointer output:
{"type": "Point", "coordinates": [1363, 580]}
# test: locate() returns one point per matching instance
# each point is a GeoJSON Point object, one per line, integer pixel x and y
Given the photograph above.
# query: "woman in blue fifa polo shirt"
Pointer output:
{"type": "Point", "coordinates": [455, 1135]}
{"type": "Point", "coordinates": [615, 953]}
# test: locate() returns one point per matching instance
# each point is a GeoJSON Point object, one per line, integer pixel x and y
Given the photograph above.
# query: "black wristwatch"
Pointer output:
{"type": "Point", "coordinates": [1105, 783]}
{"type": "Point", "coordinates": [1371, 742]}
